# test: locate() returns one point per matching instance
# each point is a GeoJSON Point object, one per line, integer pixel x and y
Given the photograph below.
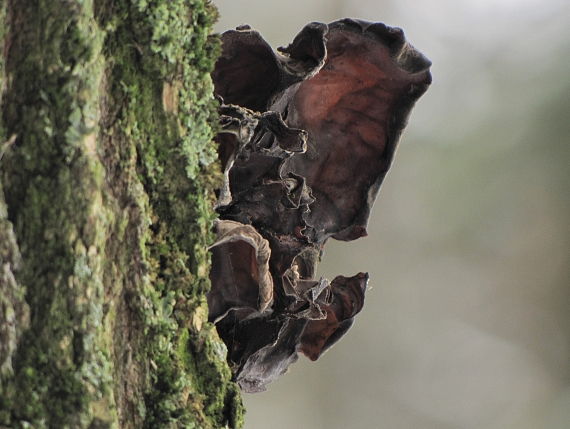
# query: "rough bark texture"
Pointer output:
{"type": "Point", "coordinates": [105, 216]}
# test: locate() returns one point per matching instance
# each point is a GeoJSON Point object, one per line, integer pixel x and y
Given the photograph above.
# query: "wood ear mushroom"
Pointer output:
{"type": "Point", "coordinates": [308, 135]}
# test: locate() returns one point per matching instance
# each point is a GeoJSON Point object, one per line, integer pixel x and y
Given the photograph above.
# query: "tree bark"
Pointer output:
{"type": "Point", "coordinates": [107, 179]}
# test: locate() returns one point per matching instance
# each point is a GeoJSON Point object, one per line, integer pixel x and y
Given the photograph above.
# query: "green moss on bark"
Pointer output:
{"type": "Point", "coordinates": [14, 312]}
{"type": "Point", "coordinates": [52, 178]}
{"type": "Point", "coordinates": [110, 188]}
{"type": "Point", "coordinates": [4, 28]}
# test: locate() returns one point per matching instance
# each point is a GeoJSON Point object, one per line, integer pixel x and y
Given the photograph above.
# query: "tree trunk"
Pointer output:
{"type": "Point", "coordinates": [107, 178]}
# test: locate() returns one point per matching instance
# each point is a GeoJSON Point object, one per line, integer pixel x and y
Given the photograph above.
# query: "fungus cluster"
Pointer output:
{"type": "Point", "coordinates": [308, 135]}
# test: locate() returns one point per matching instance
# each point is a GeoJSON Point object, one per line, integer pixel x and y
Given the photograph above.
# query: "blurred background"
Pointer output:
{"type": "Point", "coordinates": [467, 322]}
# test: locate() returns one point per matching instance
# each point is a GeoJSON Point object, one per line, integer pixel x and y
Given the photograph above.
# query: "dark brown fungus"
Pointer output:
{"type": "Point", "coordinates": [308, 135]}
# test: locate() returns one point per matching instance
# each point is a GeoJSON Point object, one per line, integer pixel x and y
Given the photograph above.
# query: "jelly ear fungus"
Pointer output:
{"type": "Point", "coordinates": [308, 135]}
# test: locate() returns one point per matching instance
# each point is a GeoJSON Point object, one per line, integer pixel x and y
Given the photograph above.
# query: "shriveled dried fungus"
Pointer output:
{"type": "Point", "coordinates": [308, 135]}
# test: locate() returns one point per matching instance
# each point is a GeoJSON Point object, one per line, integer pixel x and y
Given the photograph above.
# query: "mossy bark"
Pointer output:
{"type": "Point", "coordinates": [107, 178]}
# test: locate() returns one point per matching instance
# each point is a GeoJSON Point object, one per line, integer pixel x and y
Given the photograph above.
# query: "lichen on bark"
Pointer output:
{"type": "Point", "coordinates": [109, 188]}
